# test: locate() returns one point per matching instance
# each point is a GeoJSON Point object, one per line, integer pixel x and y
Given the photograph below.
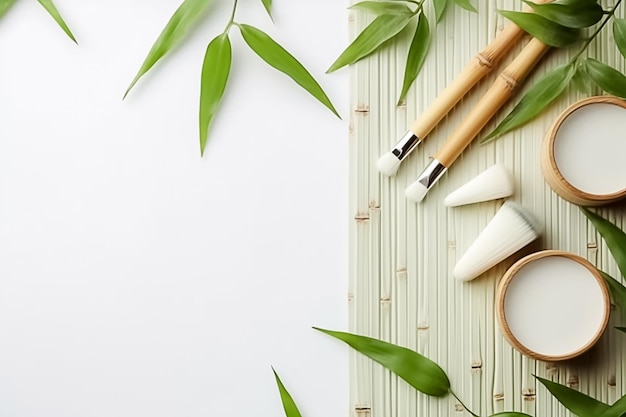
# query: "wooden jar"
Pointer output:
{"type": "Point", "coordinates": [582, 157]}
{"type": "Point", "coordinates": [552, 305]}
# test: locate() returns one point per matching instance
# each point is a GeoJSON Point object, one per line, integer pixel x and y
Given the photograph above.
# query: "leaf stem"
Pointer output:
{"type": "Point", "coordinates": [463, 405]}
{"type": "Point", "coordinates": [231, 21]}
{"type": "Point", "coordinates": [609, 14]}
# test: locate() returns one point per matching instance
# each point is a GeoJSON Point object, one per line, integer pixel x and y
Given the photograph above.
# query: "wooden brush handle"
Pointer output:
{"type": "Point", "coordinates": [477, 68]}
{"type": "Point", "coordinates": [502, 89]}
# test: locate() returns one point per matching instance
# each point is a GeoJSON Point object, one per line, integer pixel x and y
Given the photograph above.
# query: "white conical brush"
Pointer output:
{"type": "Point", "coordinates": [491, 184]}
{"type": "Point", "coordinates": [512, 228]}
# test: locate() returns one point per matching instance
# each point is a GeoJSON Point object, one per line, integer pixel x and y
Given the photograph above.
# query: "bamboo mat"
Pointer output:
{"type": "Point", "coordinates": [402, 254]}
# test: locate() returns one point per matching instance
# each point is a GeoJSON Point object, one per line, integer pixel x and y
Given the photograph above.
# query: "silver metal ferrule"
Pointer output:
{"type": "Point", "coordinates": [432, 173]}
{"type": "Point", "coordinates": [404, 147]}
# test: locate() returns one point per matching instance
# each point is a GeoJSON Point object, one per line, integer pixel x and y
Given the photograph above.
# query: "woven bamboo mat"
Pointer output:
{"type": "Point", "coordinates": [402, 254]}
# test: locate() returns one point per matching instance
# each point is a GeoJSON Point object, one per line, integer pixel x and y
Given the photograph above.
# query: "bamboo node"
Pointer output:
{"type": "Point", "coordinates": [422, 327]}
{"type": "Point", "coordinates": [350, 296]}
{"type": "Point", "coordinates": [385, 300]}
{"type": "Point", "coordinates": [484, 61]}
{"type": "Point", "coordinates": [361, 217]}
{"type": "Point", "coordinates": [374, 204]}
{"type": "Point", "coordinates": [498, 396]}
{"type": "Point", "coordinates": [611, 381]}
{"type": "Point", "coordinates": [511, 82]}
{"type": "Point", "coordinates": [459, 408]}
{"type": "Point", "coordinates": [592, 245]}
{"type": "Point", "coordinates": [477, 364]}
{"type": "Point", "coordinates": [451, 244]}
{"type": "Point", "coordinates": [362, 109]}
{"type": "Point", "coordinates": [573, 381]}
{"type": "Point", "coordinates": [362, 409]}
{"type": "Point", "coordinates": [528, 394]}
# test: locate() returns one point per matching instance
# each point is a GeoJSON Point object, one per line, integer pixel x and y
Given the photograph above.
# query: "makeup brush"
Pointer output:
{"type": "Point", "coordinates": [512, 228]}
{"type": "Point", "coordinates": [480, 65]}
{"type": "Point", "coordinates": [502, 89]}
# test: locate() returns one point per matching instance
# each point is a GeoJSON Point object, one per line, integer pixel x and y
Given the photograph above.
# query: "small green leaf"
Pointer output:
{"type": "Point", "coordinates": [621, 329]}
{"type": "Point", "coordinates": [289, 405]}
{"type": "Point", "coordinates": [545, 30]}
{"type": "Point", "coordinates": [465, 4]}
{"type": "Point", "coordinates": [578, 403]}
{"type": "Point", "coordinates": [510, 414]}
{"type": "Point", "coordinates": [276, 56]}
{"type": "Point", "coordinates": [417, 54]}
{"type": "Point", "coordinates": [420, 372]}
{"type": "Point", "coordinates": [617, 409]}
{"type": "Point", "coordinates": [174, 32]}
{"type": "Point", "coordinates": [617, 290]}
{"type": "Point", "coordinates": [268, 7]}
{"type": "Point", "coordinates": [619, 33]}
{"type": "Point", "coordinates": [614, 237]}
{"type": "Point", "coordinates": [536, 99]}
{"type": "Point", "coordinates": [215, 71]}
{"type": "Point", "coordinates": [576, 15]}
{"type": "Point", "coordinates": [383, 7]}
{"type": "Point", "coordinates": [440, 8]}
{"type": "Point", "coordinates": [582, 81]}
{"type": "Point", "coordinates": [52, 10]}
{"type": "Point", "coordinates": [5, 5]}
{"type": "Point", "coordinates": [371, 38]}
{"type": "Point", "coordinates": [607, 78]}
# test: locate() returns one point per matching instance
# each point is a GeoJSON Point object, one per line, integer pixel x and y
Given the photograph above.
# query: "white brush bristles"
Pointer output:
{"type": "Point", "coordinates": [491, 184]}
{"type": "Point", "coordinates": [512, 228]}
{"type": "Point", "coordinates": [416, 192]}
{"type": "Point", "coordinates": [388, 164]}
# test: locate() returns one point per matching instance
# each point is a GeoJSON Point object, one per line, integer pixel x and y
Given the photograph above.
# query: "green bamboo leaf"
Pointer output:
{"type": "Point", "coordinates": [578, 403]}
{"type": "Point", "coordinates": [582, 81]}
{"type": "Point", "coordinates": [544, 92]}
{"type": "Point", "coordinates": [617, 290]}
{"type": "Point", "coordinates": [52, 10]}
{"type": "Point", "coordinates": [417, 54]}
{"type": "Point", "coordinates": [440, 8]}
{"type": "Point", "coordinates": [215, 71]}
{"type": "Point", "coordinates": [621, 329]}
{"type": "Point", "coordinates": [289, 405]}
{"type": "Point", "coordinates": [268, 7]}
{"type": "Point", "coordinates": [174, 32]}
{"type": "Point", "coordinates": [383, 7]}
{"type": "Point", "coordinates": [576, 15]}
{"type": "Point", "coordinates": [465, 4]}
{"type": "Point", "coordinates": [276, 56]}
{"type": "Point", "coordinates": [607, 78]}
{"type": "Point", "coordinates": [510, 414]}
{"type": "Point", "coordinates": [5, 5]}
{"type": "Point", "coordinates": [420, 372]}
{"type": "Point", "coordinates": [617, 409]}
{"type": "Point", "coordinates": [619, 34]}
{"type": "Point", "coordinates": [545, 30]}
{"type": "Point", "coordinates": [614, 237]}
{"type": "Point", "coordinates": [382, 29]}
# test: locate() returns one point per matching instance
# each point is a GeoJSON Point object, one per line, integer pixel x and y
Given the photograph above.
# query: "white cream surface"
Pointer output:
{"type": "Point", "coordinates": [589, 148]}
{"type": "Point", "coordinates": [554, 306]}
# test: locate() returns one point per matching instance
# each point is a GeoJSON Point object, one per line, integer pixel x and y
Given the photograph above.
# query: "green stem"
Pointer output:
{"type": "Point", "coordinates": [463, 405]}
{"type": "Point", "coordinates": [608, 15]}
{"type": "Point", "coordinates": [232, 17]}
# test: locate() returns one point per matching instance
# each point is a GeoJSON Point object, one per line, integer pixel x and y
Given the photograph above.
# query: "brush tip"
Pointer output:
{"type": "Point", "coordinates": [491, 184]}
{"type": "Point", "coordinates": [416, 192]}
{"type": "Point", "coordinates": [512, 228]}
{"type": "Point", "coordinates": [388, 164]}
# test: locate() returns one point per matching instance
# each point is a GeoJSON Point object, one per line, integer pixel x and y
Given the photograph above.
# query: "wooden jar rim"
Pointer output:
{"type": "Point", "coordinates": [551, 171]}
{"type": "Point", "coordinates": [510, 275]}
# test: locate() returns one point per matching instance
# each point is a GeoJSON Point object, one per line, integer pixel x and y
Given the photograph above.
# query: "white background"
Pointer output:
{"type": "Point", "coordinates": [138, 279]}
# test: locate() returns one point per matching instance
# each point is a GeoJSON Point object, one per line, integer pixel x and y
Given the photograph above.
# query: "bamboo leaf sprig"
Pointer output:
{"type": "Point", "coordinates": [218, 59]}
{"type": "Point", "coordinates": [392, 17]}
{"type": "Point", "coordinates": [558, 24]}
{"type": "Point", "coordinates": [5, 5]}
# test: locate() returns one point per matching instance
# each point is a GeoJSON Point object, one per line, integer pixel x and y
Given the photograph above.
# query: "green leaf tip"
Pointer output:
{"type": "Point", "coordinates": [545, 30]}
{"type": "Point", "coordinates": [614, 237]}
{"type": "Point", "coordinates": [606, 77]}
{"type": "Point", "coordinates": [5, 5]}
{"type": "Point", "coordinates": [535, 100]}
{"type": "Point", "coordinates": [215, 72]}
{"type": "Point", "coordinates": [267, 4]}
{"type": "Point", "coordinates": [381, 30]}
{"type": "Point", "coordinates": [52, 10]}
{"type": "Point", "coordinates": [289, 405]}
{"type": "Point", "coordinates": [418, 371]}
{"type": "Point", "coordinates": [571, 14]}
{"type": "Point", "coordinates": [279, 58]}
{"type": "Point", "coordinates": [575, 401]}
{"type": "Point", "coordinates": [465, 4]}
{"type": "Point", "coordinates": [418, 50]}
{"type": "Point", "coordinates": [174, 32]}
